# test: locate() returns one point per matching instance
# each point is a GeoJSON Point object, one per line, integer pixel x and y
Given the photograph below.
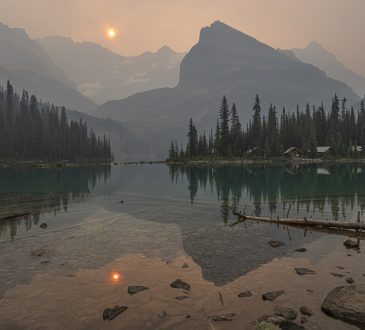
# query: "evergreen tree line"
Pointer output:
{"type": "Point", "coordinates": [33, 130]}
{"type": "Point", "coordinates": [341, 128]}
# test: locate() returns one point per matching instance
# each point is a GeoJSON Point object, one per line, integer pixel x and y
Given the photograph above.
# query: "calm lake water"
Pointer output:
{"type": "Point", "coordinates": [143, 223]}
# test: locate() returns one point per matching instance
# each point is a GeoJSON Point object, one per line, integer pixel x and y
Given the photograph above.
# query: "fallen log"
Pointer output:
{"type": "Point", "coordinates": [14, 216]}
{"type": "Point", "coordinates": [305, 222]}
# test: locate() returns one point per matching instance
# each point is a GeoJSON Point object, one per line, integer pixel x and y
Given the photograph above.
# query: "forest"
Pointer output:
{"type": "Point", "coordinates": [342, 129]}
{"type": "Point", "coordinates": [34, 130]}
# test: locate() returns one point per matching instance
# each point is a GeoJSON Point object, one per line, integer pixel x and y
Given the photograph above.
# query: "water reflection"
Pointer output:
{"type": "Point", "coordinates": [31, 193]}
{"type": "Point", "coordinates": [327, 190]}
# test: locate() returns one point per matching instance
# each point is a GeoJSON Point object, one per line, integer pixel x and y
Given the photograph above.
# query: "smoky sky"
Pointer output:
{"type": "Point", "coordinates": [144, 25]}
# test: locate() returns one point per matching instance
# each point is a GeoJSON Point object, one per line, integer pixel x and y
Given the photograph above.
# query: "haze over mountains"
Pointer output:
{"type": "Point", "coordinates": [224, 62]}
{"type": "Point", "coordinates": [28, 66]}
{"type": "Point", "coordinates": [316, 55]}
{"type": "Point", "coordinates": [103, 75]}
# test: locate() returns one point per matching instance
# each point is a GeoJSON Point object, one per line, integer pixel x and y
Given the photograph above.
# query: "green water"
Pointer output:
{"type": "Point", "coordinates": [197, 199]}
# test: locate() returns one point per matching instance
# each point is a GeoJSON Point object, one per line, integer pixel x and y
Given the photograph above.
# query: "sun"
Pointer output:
{"type": "Point", "coordinates": [111, 33]}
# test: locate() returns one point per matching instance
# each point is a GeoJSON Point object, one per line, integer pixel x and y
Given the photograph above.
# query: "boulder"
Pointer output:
{"type": "Point", "coordinates": [337, 275]}
{"type": "Point", "coordinates": [275, 243]}
{"type": "Point", "coordinates": [285, 312]}
{"type": "Point", "coordinates": [245, 294]}
{"type": "Point", "coordinates": [304, 271]}
{"type": "Point", "coordinates": [272, 295]}
{"type": "Point", "coordinates": [346, 303]}
{"type": "Point", "coordinates": [350, 244]}
{"type": "Point", "coordinates": [179, 284]}
{"type": "Point", "coordinates": [306, 310]}
{"type": "Point", "coordinates": [111, 313]}
{"type": "Point", "coordinates": [133, 289]}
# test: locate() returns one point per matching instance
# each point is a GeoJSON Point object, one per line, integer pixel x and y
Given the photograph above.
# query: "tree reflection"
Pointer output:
{"type": "Point", "coordinates": [35, 192]}
{"type": "Point", "coordinates": [330, 191]}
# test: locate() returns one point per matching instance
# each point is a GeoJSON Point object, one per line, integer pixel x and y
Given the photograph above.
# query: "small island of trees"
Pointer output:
{"type": "Point", "coordinates": [33, 130]}
{"type": "Point", "coordinates": [341, 132]}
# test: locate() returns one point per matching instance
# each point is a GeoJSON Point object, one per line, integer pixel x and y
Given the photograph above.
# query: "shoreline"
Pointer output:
{"type": "Point", "coordinates": [197, 162]}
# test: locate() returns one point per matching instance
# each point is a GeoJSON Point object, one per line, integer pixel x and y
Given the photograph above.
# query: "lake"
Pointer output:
{"type": "Point", "coordinates": [109, 227]}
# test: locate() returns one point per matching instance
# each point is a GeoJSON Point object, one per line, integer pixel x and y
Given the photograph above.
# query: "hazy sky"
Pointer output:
{"type": "Point", "coordinates": [338, 25]}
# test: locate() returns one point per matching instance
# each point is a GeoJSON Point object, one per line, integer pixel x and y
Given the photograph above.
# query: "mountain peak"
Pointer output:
{"type": "Point", "coordinates": [314, 45]}
{"type": "Point", "coordinates": [220, 30]}
{"type": "Point", "coordinates": [165, 50]}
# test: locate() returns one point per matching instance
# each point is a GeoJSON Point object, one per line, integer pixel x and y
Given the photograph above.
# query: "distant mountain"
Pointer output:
{"type": "Point", "coordinates": [103, 75]}
{"type": "Point", "coordinates": [26, 64]}
{"type": "Point", "coordinates": [316, 55]}
{"type": "Point", "coordinates": [224, 61]}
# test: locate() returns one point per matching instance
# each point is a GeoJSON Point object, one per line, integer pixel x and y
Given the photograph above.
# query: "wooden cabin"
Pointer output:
{"type": "Point", "coordinates": [324, 150]}
{"type": "Point", "coordinates": [293, 152]}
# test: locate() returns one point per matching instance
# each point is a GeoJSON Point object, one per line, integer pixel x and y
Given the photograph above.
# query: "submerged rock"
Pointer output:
{"type": "Point", "coordinates": [286, 313]}
{"type": "Point", "coordinates": [346, 303]}
{"type": "Point", "coordinates": [350, 244]}
{"type": "Point", "coordinates": [276, 322]}
{"type": "Point", "coordinates": [304, 271]}
{"type": "Point", "coordinates": [245, 294]}
{"type": "Point", "coordinates": [272, 295]}
{"type": "Point", "coordinates": [223, 317]}
{"type": "Point", "coordinates": [179, 284]}
{"type": "Point", "coordinates": [111, 313]}
{"type": "Point", "coordinates": [337, 275]}
{"type": "Point", "coordinates": [133, 289]}
{"type": "Point", "coordinates": [163, 314]}
{"type": "Point", "coordinates": [275, 243]}
{"type": "Point", "coordinates": [306, 311]}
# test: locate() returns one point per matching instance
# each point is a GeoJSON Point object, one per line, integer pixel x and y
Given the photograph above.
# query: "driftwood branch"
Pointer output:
{"type": "Point", "coordinates": [350, 229]}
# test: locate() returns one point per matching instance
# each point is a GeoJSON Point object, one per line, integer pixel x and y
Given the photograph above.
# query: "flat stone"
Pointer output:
{"type": "Point", "coordinates": [350, 280]}
{"type": "Point", "coordinates": [285, 312]}
{"type": "Point", "coordinates": [267, 326]}
{"type": "Point", "coordinates": [179, 284]}
{"type": "Point", "coordinates": [306, 311]}
{"type": "Point", "coordinates": [301, 250]}
{"type": "Point", "coordinates": [276, 244]}
{"type": "Point", "coordinates": [337, 275]}
{"type": "Point", "coordinates": [133, 289]}
{"type": "Point", "coordinates": [181, 297]}
{"type": "Point", "coordinates": [346, 303]}
{"type": "Point", "coordinates": [279, 322]}
{"type": "Point", "coordinates": [245, 294]}
{"type": "Point", "coordinates": [350, 244]}
{"type": "Point", "coordinates": [111, 313]}
{"type": "Point", "coordinates": [223, 317]}
{"type": "Point", "coordinates": [272, 295]}
{"type": "Point", "coordinates": [304, 271]}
